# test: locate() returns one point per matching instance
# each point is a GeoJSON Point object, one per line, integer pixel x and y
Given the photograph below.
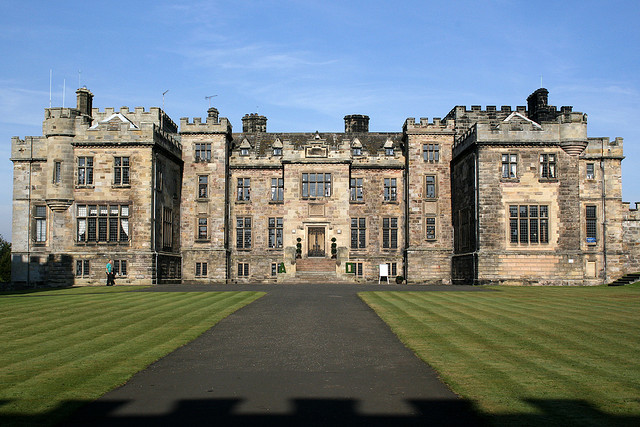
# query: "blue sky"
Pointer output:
{"type": "Point", "coordinates": [305, 64]}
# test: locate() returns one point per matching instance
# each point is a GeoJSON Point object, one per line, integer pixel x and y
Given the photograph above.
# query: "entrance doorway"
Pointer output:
{"type": "Point", "coordinates": [316, 242]}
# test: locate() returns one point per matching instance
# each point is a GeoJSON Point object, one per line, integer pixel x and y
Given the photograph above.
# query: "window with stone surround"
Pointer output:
{"type": "Point", "coordinates": [57, 172]}
{"type": "Point", "coordinates": [591, 224]}
{"type": "Point", "coordinates": [392, 268]}
{"type": "Point", "coordinates": [243, 232]}
{"type": "Point", "coordinates": [244, 189]}
{"type": "Point", "coordinates": [102, 223]}
{"type": "Point", "coordinates": [121, 170]}
{"type": "Point", "coordinates": [357, 194]}
{"type": "Point", "coordinates": [202, 152]}
{"type": "Point", "coordinates": [85, 170]}
{"type": "Point", "coordinates": [202, 228]}
{"type": "Point", "coordinates": [431, 153]}
{"type": "Point", "coordinates": [430, 188]}
{"type": "Point", "coordinates": [201, 269]}
{"type": "Point", "coordinates": [277, 189]}
{"type": "Point", "coordinates": [359, 270]}
{"type": "Point", "coordinates": [548, 166]}
{"type": "Point", "coordinates": [390, 190]}
{"type": "Point", "coordinates": [430, 227]}
{"type": "Point", "coordinates": [529, 224]}
{"type": "Point", "coordinates": [591, 173]}
{"type": "Point", "coordinates": [82, 268]}
{"type": "Point", "coordinates": [203, 186]}
{"type": "Point", "coordinates": [316, 185]}
{"type": "Point", "coordinates": [167, 228]}
{"type": "Point", "coordinates": [243, 269]}
{"type": "Point", "coordinates": [390, 233]}
{"type": "Point", "coordinates": [509, 166]}
{"type": "Point", "coordinates": [358, 233]}
{"type": "Point", "coordinates": [275, 232]}
{"type": "Point", "coordinates": [120, 267]}
{"type": "Point", "coordinates": [40, 220]}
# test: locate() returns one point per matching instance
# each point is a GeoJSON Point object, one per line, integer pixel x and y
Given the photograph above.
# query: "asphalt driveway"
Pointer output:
{"type": "Point", "coordinates": [300, 355]}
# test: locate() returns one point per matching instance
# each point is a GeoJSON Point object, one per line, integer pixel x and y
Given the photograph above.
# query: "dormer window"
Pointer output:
{"type": "Point", "coordinates": [244, 147]}
{"type": "Point", "coordinates": [388, 151]}
{"type": "Point", "coordinates": [388, 148]}
{"type": "Point", "coordinates": [244, 151]}
{"type": "Point", "coordinates": [356, 151]}
{"type": "Point", "coordinates": [277, 151]}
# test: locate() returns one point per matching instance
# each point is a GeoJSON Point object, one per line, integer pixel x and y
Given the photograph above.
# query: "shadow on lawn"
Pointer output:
{"type": "Point", "coordinates": [312, 412]}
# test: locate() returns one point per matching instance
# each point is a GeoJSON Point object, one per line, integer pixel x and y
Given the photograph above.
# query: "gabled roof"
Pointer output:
{"type": "Point", "coordinates": [516, 117]}
{"type": "Point", "coordinates": [115, 117]}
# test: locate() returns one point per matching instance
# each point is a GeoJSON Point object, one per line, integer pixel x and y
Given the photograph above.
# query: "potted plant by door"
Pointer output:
{"type": "Point", "coordinates": [399, 280]}
{"type": "Point", "coordinates": [334, 248]}
{"type": "Point", "coordinates": [299, 248]}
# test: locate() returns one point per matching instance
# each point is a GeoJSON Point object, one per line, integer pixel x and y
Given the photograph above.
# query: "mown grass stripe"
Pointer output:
{"type": "Point", "coordinates": [124, 335]}
{"type": "Point", "coordinates": [551, 343]}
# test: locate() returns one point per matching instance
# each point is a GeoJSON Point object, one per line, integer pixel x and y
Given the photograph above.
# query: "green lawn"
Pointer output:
{"type": "Point", "coordinates": [76, 344]}
{"type": "Point", "coordinates": [529, 355]}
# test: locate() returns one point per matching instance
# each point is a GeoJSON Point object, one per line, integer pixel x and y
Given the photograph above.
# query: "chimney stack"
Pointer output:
{"type": "Point", "coordinates": [252, 123]}
{"type": "Point", "coordinates": [355, 123]}
{"type": "Point", "coordinates": [85, 101]}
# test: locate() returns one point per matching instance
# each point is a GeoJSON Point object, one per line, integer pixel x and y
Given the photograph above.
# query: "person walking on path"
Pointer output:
{"type": "Point", "coordinates": [110, 274]}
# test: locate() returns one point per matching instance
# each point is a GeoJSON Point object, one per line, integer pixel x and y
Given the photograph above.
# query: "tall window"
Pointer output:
{"type": "Point", "coordinates": [390, 190]}
{"type": "Point", "coordinates": [203, 186]}
{"type": "Point", "coordinates": [392, 268]}
{"type": "Point", "coordinates": [82, 268]}
{"type": "Point", "coordinates": [592, 219]}
{"type": "Point", "coordinates": [201, 269]}
{"type": "Point", "coordinates": [167, 228]}
{"type": "Point", "coordinates": [430, 187]}
{"type": "Point", "coordinates": [202, 228]}
{"type": "Point", "coordinates": [121, 170]}
{"type": "Point", "coordinates": [356, 190]}
{"type": "Point", "coordinates": [316, 184]}
{"type": "Point", "coordinates": [244, 189]}
{"type": "Point", "coordinates": [243, 269]}
{"type": "Point", "coordinates": [102, 223]}
{"type": "Point", "coordinates": [57, 172]}
{"type": "Point", "coordinates": [509, 165]}
{"type": "Point", "coordinates": [390, 233]}
{"type": "Point", "coordinates": [430, 223]}
{"type": "Point", "coordinates": [275, 232]}
{"type": "Point", "coordinates": [120, 267]}
{"type": "Point", "coordinates": [85, 170]}
{"type": "Point", "coordinates": [243, 233]}
{"type": "Point", "coordinates": [547, 165]}
{"type": "Point", "coordinates": [40, 218]}
{"type": "Point", "coordinates": [529, 223]}
{"type": "Point", "coordinates": [358, 233]}
{"type": "Point", "coordinates": [590, 171]}
{"type": "Point", "coordinates": [277, 189]}
{"type": "Point", "coordinates": [203, 152]}
{"type": "Point", "coordinates": [431, 152]}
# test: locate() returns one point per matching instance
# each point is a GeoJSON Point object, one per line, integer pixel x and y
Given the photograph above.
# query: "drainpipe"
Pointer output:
{"type": "Point", "coordinates": [604, 215]}
{"type": "Point", "coordinates": [476, 229]}
{"type": "Point", "coordinates": [29, 219]}
{"type": "Point", "coordinates": [154, 281]}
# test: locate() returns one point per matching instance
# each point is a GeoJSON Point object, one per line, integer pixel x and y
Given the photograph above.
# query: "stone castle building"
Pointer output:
{"type": "Point", "coordinates": [481, 196]}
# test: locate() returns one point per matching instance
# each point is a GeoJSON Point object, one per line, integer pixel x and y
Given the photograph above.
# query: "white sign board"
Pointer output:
{"type": "Point", "coordinates": [384, 272]}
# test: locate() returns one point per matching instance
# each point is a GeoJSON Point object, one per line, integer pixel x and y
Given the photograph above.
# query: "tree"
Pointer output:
{"type": "Point", "coordinates": [5, 260]}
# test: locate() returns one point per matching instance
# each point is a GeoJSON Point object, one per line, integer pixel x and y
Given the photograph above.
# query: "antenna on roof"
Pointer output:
{"type": "Point", "coordinates": [163, 94]}
{"type": "Point", "coordinates": [64, 89]}
{"type": "Point", "coordinates": [209, 98]}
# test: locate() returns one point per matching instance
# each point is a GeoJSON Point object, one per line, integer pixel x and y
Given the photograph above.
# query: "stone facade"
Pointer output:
{"type": "Point", "coordinates": [482, 196]}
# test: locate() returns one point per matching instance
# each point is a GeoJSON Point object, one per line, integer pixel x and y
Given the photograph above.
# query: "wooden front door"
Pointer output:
{"type": "Point", "coordinates": [316, 241]}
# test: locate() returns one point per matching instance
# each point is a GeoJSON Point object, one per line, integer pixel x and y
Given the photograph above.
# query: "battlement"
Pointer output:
{"type": "Point", "coordinates": [138, 116]}
{"type": "Point", "coordinates": [436, 125]}
{"type": "Point", "coordinates": [210, 125]}
{"type": "Point", "coordinates": [598, 148]}
{"type": "Point", "coordinates": [629, 213]}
